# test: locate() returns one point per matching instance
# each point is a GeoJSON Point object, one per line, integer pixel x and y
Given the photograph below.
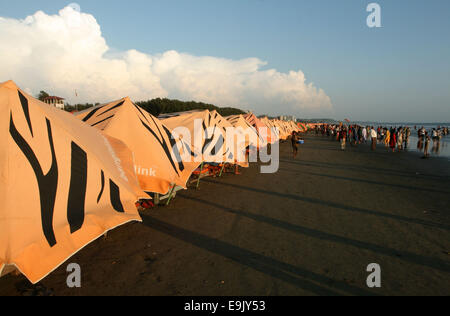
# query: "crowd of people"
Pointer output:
{"type": "Point", "coordinates": [393, 138]}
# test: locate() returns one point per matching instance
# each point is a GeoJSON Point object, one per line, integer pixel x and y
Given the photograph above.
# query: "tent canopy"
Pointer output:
{"type": "Point", "coordinates": [302, 127]}
{"type": "Point", "coordinates": [274, 130]}
{"type": "Point", "coordinates": [62, 184]}
{"type": "Point", "coordinates": [207, 132]}
{"type": "Point", "coordinates": [294, 126]}
{"type": "Point", "coordinates": [261, 128]}
{"type": "Point", "coordinates": [282, 127]}
{"type": "Point", "coordinates": [157, 153]}
{"type": "Point", "coordinates": [251, 135]}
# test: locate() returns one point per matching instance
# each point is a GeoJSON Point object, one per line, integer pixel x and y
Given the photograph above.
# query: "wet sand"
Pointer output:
{"type": "Point", "coordinates": [310, 229]}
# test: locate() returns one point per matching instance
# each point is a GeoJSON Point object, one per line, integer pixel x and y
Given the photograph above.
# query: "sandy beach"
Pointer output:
{"type": "Point", "coordinates": [309, 229]}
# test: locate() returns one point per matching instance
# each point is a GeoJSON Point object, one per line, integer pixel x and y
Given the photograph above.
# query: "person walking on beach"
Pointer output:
{"type": "Point", "coordinates": [408, 135]}
{"type": "Point", "coordinates": [360, 134]}
{"type": "Point", "coordinates": [343, 137]}
{"type": "Point", "coordinates": [436, 147]}
{"type": "Point", "coordinates": [294, 139]}
{"type": "Point", "coordinates": [420, 144]}
{"type": "Point", "coordinates": [421, 133]}
{"type": "Point", "coordinates": [435, 135]}
{"type": "Point", "coordinates": [364, 134]}
{"type": "Point", "coordinates": [393, 139]}
{"type": "Point", "coordinates": [354, 135]}
{"type": "Point", "coordinates": [349, 135]}
{"type": "Point", "coordinates": [387, 138]}
{"type": "Point", "coordinates": [380, 133]}
{"type": "Point", "coordinates": [373, 135]}
{"type": "Point", "coordinates": [400, 139]}
{"type": "Point", "coordinates": [427, 145]}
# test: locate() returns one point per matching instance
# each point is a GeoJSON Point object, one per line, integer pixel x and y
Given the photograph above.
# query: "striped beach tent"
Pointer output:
{"type": "Point", "coordinates": [302, 126]}
{"type": "Point", "coordinates": [159, 156]}
{"type": "Point", "coordinates": [62, 184]}
{"type": "Point", "coordinates": [207, 132]}
{"type": "Point", "coordinates": [280, 128]}
{"type": "Point", "coordinates": [293, 126]}
{"type": "Point", "coordinates": [261, 128]}
{"type": "Point", "coordinates": [274, 131]}
{"type": "Point", "coordinates": [285, 129]}
{"type": "Point", "coordinates": [251, 135]}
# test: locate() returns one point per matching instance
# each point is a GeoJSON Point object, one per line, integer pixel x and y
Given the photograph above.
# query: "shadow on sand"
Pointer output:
{"type": "Point", "coordinates": [304, 279]}
{"type": "Point", "coordinates": [399, 186]}
{"type": "Point", "coordinates": [400, 255]}
{"type": "Point", "coordinates": [335, 205]}
{"type": "Point", "coordinates": [359, 168]}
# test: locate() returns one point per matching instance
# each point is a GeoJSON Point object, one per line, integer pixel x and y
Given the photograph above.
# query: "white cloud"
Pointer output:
{"type": "Point", "coordinates": [66, 52]}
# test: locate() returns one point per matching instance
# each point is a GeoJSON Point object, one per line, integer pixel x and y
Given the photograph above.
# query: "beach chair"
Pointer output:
{"type": "Point", "coordinates": [234, 168]}
{"type": "Point", "coordinates": [216, 169]}
{"type": "Point", "coordinates": [144, 204]}
{"type": "Point", "coordinates": [231, 168]}
{"type": "Point", "coordinates": [157, 198]}
{"type": "Point", "coordinates": [199, 173]}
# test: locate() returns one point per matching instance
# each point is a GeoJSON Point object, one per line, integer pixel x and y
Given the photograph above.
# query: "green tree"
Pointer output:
{"type": "Point", "coordinates": [160, 106]}
{"type": "Point", "coordinates": [77, 107]}
{"type": "Point", "coordinates": [42, 95]}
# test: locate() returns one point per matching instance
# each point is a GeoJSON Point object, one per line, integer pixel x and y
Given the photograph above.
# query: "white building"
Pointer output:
{"type": "Point", "coordinates": [55, 101]}
{"type": "Point", "coordinates": [288, 118]}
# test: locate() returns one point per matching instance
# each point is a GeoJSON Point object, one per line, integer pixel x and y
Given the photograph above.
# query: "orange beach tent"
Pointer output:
{"type": "Point", "coordinates": [157, 153]}
{"type": "Point", "coordinates": [252, 137]}
{"type": "Point", "coordinates": [208, 135]}
{"type": "Point", "coordinates": [62, 184]}
{"type": "Point", "coordinates": [294, 126]}
{"type": "Point", "coordinates": [274, 131]}
{"type": "Point", "coordinates": [302, 127]}
{"type": "Point", "coordinates": [282, 127]}
{"type": "Point", "coordinates": [261, 128]}
{"type": "Point", "coordinates": [276, 124]}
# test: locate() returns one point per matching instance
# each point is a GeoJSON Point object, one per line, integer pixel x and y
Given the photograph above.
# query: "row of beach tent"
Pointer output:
{"type": "Point", "coordinates": [68, 179]}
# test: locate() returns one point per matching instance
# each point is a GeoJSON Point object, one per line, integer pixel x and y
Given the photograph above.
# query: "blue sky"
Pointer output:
{"type": "Point", "coordinates": [400, 72]}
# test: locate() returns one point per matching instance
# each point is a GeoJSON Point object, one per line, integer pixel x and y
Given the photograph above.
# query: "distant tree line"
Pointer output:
{"type": "Point", "coordinates": [159, 106]}
{"type": "Point", "coordinates": [78, 107]}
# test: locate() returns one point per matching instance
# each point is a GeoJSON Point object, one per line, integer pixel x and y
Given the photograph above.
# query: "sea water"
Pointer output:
{"type": "Point", "coordinates": [441, 149]}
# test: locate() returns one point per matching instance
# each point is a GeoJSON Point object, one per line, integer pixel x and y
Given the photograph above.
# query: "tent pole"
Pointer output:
{"type": "Point", "coordinates": [170, 194]}
{"type": "Point", "coordinates": [221, 170]}
{"type": "Point", "coordinates": [198, 180]}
